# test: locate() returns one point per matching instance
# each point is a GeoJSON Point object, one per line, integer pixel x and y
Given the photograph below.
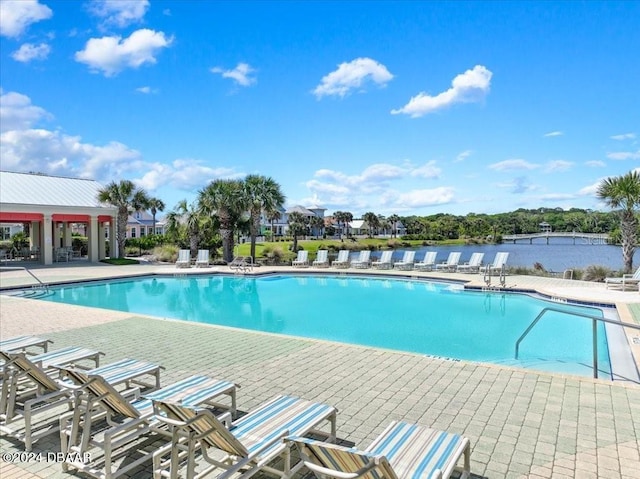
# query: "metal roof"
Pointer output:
{"type": "Point", "coordinates": [34, 189]}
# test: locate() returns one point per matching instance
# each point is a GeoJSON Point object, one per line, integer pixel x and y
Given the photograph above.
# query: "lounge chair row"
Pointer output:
{"type": "Point", "coordinates": [184, 258]}
{"type": "Point", "coordinates": [408, 261]}
{"type": "Point", "coordinates": [116, 422]}
{"type": "Point", "coordinates": [624, 281]}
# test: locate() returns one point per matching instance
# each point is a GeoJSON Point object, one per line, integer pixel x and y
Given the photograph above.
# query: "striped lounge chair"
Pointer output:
{"type": "Point", "coordinates": [202, 260]}
{"type": "Point", "coordinates": [474, 264]}
{"type": "Point", "coordinates": [94, 450]}
{"type": "Point", "coordinates": [406, 262]}
{"type": "Point", "coordinates": [428, 262]}
{"type": "Point", "coordinates": [402, 451]}
{"type": "Point", "coordinates": [22, 343]}
{"type": "Point", "coordinates": [29, 392]}
{"type": "Point", "coordinates": [322, 259]}
{"type": "Point", "coordinates": [363, 261]}
{"type": "Point", "coordinates": [452, 262]}
{"type": "Point", "coordinates": [251, 443]}
{"type": "Point", "coordinates": [184, 259]}
{"type": "Point", "coordinates": [302, 259]}
{"type": "Point", "coordinates": [342, 261]}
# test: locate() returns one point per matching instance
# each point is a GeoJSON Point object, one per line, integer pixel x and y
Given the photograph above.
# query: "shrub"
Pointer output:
{"type": "Point", "coordinates": [597, 273]}
{"type": "Point", "coordinates": [272, 254]}
{"type": "Point", "coordinates": [166, 253]}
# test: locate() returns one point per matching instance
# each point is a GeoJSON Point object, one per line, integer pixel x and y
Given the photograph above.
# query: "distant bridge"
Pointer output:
{"type": "Point", "coordinates": [590, 238]}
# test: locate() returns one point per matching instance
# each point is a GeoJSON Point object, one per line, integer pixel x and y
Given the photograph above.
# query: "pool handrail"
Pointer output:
{"type": "Point", "coordinates": [594, 320]}
{"type": "Point", "coordinates": [10, 268]}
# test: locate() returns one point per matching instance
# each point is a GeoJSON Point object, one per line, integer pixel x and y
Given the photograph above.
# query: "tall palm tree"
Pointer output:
{"type": "Point", "coordinates": [344, 218]}
{"type": "Point", "coordinates": [317, 224]}
{"type": "Point", "coordinates": [225, 199]}
{"type": "Point", "coordinates": [127, 198]}
{"type": "Point", "coordinates": [393, 219]}
{"type": "Point", "coordinates": [623, 193]}
{"type": "Point", "coordinates": [297, 223]}
{"type": "Point", "coordinates": [263, 193]}
{"type": "Point", "coordinates": [372, 221]}
{"type": "Point", "coordinates": [155, 205]}
{"type": "Point", "coordinates": [191, 219]}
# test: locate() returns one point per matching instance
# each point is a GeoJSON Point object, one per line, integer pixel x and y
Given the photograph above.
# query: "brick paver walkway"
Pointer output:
{"type": "Point", "coordinates": [521, 423]}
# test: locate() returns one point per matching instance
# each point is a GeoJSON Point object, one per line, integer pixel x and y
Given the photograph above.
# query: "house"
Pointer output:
{"type": "Point", "coordinates": [281, 225]}
{"type": "Point", "coordinates": [545, 227]}
{"type": "Point", "coordinates": [140, 223]}
{"type": "Point", "coordinates": [50, 206]}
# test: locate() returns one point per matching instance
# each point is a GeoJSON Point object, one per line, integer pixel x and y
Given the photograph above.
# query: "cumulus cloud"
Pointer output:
{"type": "Point", "coordinates": [624, 155]}
{"type": "Point", "coordinates": [351, 76]}
{"type": "Point", "coordinates": [624, 136]}
{"type": "Point", "coordinates": [17, 112]}
{"type": "Point", "coordinates": [595, 163]}
{"type": "Point", "coordinates": [468, 87]}
{"type": "Point", "coordinates": [28, 52]}
{"type": "Point", "coordinates": [558, 166]}
{"type": "Point", "coordinates": [463, 156]}
{"type": "Point", "coordinates": [185, 174]}
{"type": "Point", "coordinates": [553, 133]}
{"type": "Point", "coordinates": [17, 15]}
{"type": "Point", "coordinates": [110, 55]}
{"type": "Point", "coordinates": [119, 13]}
{"type": "Point", "coordinates": [240, 74]}
{"type": "Point", "coordinates": [513, 165]}
{"type": "Point", "coordinates": [426, 197]}
{"type": "Point", "coordinates": [428, 170]}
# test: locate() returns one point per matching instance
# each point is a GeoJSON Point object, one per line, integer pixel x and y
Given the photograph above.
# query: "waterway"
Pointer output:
{"type": "Point", "coordinates": [559, 255]}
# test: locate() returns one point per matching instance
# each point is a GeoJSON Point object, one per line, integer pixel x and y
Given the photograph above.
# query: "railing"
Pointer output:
{"type": "Point", "coordinates": [594, 320]}
{"type": "Point", "coordinates": [242, 264]}
{"type": "Point", "coordinates": [10, 268]}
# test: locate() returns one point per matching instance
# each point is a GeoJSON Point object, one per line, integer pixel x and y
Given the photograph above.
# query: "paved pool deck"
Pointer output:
{"type": "Point", "coordinates": [522, 424]}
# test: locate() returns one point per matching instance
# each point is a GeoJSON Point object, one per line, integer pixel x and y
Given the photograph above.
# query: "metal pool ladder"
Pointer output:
{"type": "Point", "coordinates": [39, 286]}
{"type": "Point", "coordinates": [594, 322]}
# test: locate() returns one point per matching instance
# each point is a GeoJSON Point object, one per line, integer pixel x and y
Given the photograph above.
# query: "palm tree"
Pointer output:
{"type": "Point", "coordinates": [317, 224]}
{"type": "Point", "coordinates": [127, 198]}
{"type": "Point", "coordinates": [191, 219]}
{"type": "Point", "coordinates": [297, 223]}
{"type": "Point", "coordinates": [393, 219]}
{"type": "Point", "coordinates": [155, 205]}
{"type": "Point", "coordinates": [262, 193]}
{"type": "Point", "coordinates": [344, 218]}
{"type": "Point", "coordinates": [623, 193]}
{"type": "Point", "coordinates": [226, 200]}
{"type": "Point", "coordinates": [372, 221]}
{"type": "Point", "coordinates": [272, 217]}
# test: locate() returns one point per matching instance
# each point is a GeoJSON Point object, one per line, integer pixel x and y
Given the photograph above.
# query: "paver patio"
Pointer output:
{"type": "Point", "coordinates": [520, 423]}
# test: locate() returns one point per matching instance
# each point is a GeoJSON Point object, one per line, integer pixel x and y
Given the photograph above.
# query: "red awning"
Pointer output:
{"type": "Point", "coordinates": [17, 217]}
{"type": "Point", "coordinates": [105, 219]}
{"type": "Point", "coordinates": [71, 218]}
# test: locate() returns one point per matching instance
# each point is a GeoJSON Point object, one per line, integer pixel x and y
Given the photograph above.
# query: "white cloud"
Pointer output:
{"type": "Point", "coordinates": [184, 174]}
{"type": "Point", "coordinates": [29, 51]}
{"type": "Point", "coordinates": [428, 170]}
{"type": "Point", "coordinates": [240, 74]}
{"type": "Point", "coordinates": [557, 166]}
{"type": "Point", "coordinates": [590, 190]}
{"type": "Point", "coordinates": [119, 13]}
{"type": "Point", "coordinates": [513, 165]}
{"type": "Point", "coordinates": [17, 112]}
{"type": "Point", "coordinates": [463, 156]}
{"type": "Point", "coordinates": [468, 87]}
{"type": "Point", "coordinates": [595, 163]}
{"type": "Point", "coordinates": [352, 75]}
{"type": "Point", "coordinates": [624, 136]}
{"type": "Point", "coordinates": [110, 55]}
{"type": "Point", "coordinates": [17, 15]}
{"type": "Point", "coordinates": [427, 197]}
{"type": "Point", "coordinates": [518, 185]}
{"type": "Point", "coordinates": [554, 133]}
{"type": "Point", "coordinates": [624, 155]}
{"type": "Point", "coordinates": [147, 90]}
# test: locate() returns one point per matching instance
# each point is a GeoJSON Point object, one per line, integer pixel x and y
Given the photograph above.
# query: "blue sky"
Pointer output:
{"type": "Point", "coordinates": [390, 107]}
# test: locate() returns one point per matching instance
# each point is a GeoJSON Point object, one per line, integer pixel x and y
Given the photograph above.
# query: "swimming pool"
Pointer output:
{"type": "Point", "coordinates": [421, 317]}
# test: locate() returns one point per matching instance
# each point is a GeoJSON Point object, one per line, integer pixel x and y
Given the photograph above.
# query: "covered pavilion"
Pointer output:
{"type": "Point", "coordinates": [50, 205]}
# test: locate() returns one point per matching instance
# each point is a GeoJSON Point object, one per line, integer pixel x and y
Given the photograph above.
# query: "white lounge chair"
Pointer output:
{"type": "Point", "coordinates": [29, 391]}
{"type": "Point", "coordinates": [203, 258]}
{"type": "Point", "coordinates": [342, 261]}
{"type": "Point", "coordinates": [184, 259]}
{"type": "Point", "coordinates": [451, 263]}
{"type": "Point", "coordinates": [428, 262]}
{"type": "Point", "coordinates": [632, 280]}
{"type": "Point", "coordinates": [384, 262]}
{"type": "Point", "coordinates": [498, 262]}
{"type": "Point", "coordinates": [402, 451]}
{"type": "Point", "coordinates": [302, 260]}
{"type": "Point", "coordinates": [248, 445]}
{"type": "Point", "coordinates": [322, 259]}
{"type": "Point", "coordinates": [363, 260]}
{"type": "Point", "coordinates": [474, 264]}
{"type": "Point", "coordinates": [406, 262]}
{"type": "Point", "coordinates": [94, 451]}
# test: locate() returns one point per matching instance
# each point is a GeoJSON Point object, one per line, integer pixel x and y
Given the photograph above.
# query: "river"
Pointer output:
{"type": "Point", "coordinates": [559, 255]}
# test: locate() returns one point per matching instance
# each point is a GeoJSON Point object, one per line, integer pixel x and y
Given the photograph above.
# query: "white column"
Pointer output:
{"type": "Point", "coordinates": [92, 237]}
{"type": "Point", "coordinates": [46, 249]}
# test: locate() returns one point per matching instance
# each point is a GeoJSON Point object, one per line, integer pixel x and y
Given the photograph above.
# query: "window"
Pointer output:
{"type": "Point", "coordinates": [133, 232]}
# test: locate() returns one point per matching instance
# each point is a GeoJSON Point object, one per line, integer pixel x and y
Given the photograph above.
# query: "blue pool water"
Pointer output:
{"type": "Point", "coordinates": [421, 317]}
